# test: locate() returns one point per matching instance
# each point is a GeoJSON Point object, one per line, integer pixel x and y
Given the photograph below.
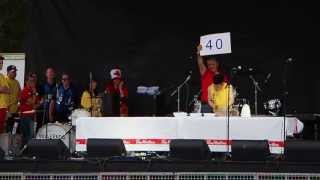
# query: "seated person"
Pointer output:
{"type": "Point", "coordinates": [90, 99]}
{"type": "Point", "coordinates": [66, 99]}
{"type": "Point", "coordinates": [218, 95]}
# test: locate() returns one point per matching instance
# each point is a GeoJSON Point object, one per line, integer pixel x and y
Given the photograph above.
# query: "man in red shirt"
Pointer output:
{"type": "Point", "coordinates": [208, 67]}
{"type": "Point", "coordinates": [117, 89]}
{"type": "Point", "coordinates": [29, 100]}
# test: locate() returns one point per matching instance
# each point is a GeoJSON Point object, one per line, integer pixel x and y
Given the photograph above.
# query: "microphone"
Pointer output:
{"type": "Point", "coordinates": [267, 78]}
{"type": "Point", "coordinates": [289, 60]}
{"type": "Point", "coordinates": [237, 68]}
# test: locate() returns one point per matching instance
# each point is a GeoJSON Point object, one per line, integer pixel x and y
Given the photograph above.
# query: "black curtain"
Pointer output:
{"type": "Point", "coordinates": [153, 43]}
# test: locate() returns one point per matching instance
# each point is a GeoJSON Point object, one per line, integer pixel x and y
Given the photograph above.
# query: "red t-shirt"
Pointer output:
{"type": "Point", "coordinates": [206, 81]}
{"type": "Point", "coordinates": [111, 89]}
{"type": "Point", "coordinates": [26, 93]}
{"type": "Point", "coordinates": [123, 102]}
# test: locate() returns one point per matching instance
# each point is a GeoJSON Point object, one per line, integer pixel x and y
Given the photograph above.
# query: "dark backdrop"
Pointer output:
{"type": "Point", "coordinates": [153, 42]}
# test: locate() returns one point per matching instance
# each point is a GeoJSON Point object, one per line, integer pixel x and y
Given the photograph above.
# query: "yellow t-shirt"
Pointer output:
{"type": "Point", "coordinates": [15, 90]}
{"type": "Point", "coordinates": [219, 97]}
{"type": "Point", "coordinates": [4, 98]}
{"type": "Point", "coordinates": [93, 104]}
{"type": "Point", "coordinates": [86, 100]}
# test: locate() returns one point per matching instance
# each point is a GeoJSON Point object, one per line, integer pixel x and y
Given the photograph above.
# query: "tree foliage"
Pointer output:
{"type": "Point", "coordinates": [12, 25]}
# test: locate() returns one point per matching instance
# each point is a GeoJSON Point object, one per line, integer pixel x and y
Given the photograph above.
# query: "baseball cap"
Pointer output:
{"type": "Point", "coordinates": [11, 68]}
{"type": "Point", "coordinates": [115, 74]}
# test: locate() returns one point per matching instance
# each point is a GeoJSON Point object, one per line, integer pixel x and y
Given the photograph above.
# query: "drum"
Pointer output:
{"type": "Point", "coordinates": [273, 106]}
{"type": "Point", "coordinates": [78, 113]}
{"type": "Point", "coordinates": [64, 132]}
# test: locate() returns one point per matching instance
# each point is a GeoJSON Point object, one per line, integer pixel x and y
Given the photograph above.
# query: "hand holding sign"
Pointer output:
{"type": "Point", "coordinates": [215, 44]}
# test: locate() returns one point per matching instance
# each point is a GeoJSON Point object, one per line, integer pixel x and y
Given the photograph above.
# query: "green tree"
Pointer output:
{"type": "Point", "coordinates": [12, 25]}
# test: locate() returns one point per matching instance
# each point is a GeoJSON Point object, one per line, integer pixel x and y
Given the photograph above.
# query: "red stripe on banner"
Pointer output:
{"type": "Point", "coordinates": [167, 141]}
{"type": "Point", "coordinates": [218, 142]}
{"type": "Point", "coordinates": [81, 141]}
{"type": "Point", "coordinates": [146, 141]}
{"type": "Point", "coordinates": [276, 143]}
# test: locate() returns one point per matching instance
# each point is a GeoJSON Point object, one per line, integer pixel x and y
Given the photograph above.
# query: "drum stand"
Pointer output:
{"type": "Point", "coordinates": [68, 132]}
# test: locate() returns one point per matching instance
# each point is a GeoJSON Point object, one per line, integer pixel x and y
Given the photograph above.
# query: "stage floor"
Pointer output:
{"type": "Point", "coordinates": [87, 166]}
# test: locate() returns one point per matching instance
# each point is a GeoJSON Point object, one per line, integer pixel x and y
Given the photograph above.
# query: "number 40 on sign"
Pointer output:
{"type": "Point", "coordinates": [213, 44]}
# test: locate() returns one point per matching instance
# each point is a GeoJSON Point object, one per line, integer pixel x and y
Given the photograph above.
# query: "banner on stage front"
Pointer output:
{"type": "Point", "coordinates": [214, 44]}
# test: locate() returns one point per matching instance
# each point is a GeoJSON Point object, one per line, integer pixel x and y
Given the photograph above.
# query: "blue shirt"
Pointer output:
{"type": "Point", "coordinates": [48, 92]}
{"type": "Point", "coordinates": [66, 99]}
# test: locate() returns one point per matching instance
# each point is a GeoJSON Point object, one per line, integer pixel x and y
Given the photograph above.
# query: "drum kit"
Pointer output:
{"type": "Point", "coordinates": [271, 106]}
{"type": "Point", "coordinates": [11, 141]}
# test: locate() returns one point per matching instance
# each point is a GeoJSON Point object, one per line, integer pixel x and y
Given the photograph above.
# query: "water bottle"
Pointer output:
{"type": "Point", "coordinates": [197, 105]}
{"type": "Point", "coordinates": [14, 129]}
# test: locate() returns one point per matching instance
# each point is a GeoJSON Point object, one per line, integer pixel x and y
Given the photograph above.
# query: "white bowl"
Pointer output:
{"type": "Point", "coordinates": [209, 115]}
{"type": "Point", "coordinates": [196, 114]}
{"type": "Point", "coordinates": [180, 114]}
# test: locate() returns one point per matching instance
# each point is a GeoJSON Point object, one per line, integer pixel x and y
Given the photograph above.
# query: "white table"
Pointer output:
{"type": "Point", "coordinates": [155, 133]}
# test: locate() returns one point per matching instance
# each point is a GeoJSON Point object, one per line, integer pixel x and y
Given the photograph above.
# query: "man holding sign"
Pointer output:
{"type": "Point", "coordinates": [208, 64]}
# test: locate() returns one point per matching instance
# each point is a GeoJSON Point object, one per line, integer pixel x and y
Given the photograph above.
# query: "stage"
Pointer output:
{"type": "Point", "coordinates": [96, 166]}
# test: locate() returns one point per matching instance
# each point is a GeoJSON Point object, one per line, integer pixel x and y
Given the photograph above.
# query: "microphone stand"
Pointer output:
{"type": "Point", "coordinates": [177, 91]}
{"type": "Point", "coordinates": [256, 89]}
{"type": "Point", "coordinates": [91, 93]}
{"type": "Point", "coordinates": [285, 94]}
{"type": "Point", "coordinates": [231, 74]}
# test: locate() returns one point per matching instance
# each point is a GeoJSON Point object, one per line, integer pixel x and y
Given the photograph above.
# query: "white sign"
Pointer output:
{"type": "Point", "coordinates": [17, 59]}
{"type": "Point", "coordinates": [155, 133]}
{"type": "Point", "coordinates": [213, 44]}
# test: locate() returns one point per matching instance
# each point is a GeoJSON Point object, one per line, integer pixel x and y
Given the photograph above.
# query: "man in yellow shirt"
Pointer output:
{"type": "Point", "coordinates": [218, 95]}
{"type": "Point", "coordinates": [14, 87]}
{"type": "Point", "coordinates": [4, 97]}
{"type": "Point", "coordinates": [14, 95]}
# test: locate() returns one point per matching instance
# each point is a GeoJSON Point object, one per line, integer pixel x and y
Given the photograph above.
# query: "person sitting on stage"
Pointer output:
{"type": "Point", "coordinates": [4, 97]}
{"type": "Point", "coordinates": [208, 67]}
{"type": "Point", "coordinates": [219, 92]}
{"type": "Point", "coordinates": [119, 93]}
{"type": "Point", "coordinates": [90, 99]}
{"type": "Point", "coordinates": [66, 99]}
{"type": "Point", "coordinates": [29, 101]}
{"type": "Point", "coordinates": [14, 95]}
{"type": "Point", "coordinates": [48, 91]}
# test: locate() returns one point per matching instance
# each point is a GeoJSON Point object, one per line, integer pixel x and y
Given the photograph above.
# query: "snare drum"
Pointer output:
{"type": "Point", "coordinates": [64, 132]}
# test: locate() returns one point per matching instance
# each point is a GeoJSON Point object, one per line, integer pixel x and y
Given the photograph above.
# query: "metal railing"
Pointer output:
{"type": "Point", "coordinates": [159, 176]}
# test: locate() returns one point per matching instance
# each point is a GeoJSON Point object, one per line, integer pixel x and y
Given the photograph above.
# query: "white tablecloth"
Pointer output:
{"type": "Point", "coordinates": [155, 133]}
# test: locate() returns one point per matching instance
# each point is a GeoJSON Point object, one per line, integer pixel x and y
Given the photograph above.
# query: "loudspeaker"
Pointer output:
{"type": "Point", "coordinates": [52, 149]}
{"type": "Point", "coordinates": [187, 149]}
{"type": "Point", "coordinates": [102, 148]}
{"type": "Point", "coordinates": [250, 150]}
{"type": "Point", "coordinates": [302, 151]}
{"type": "Point", "coordinates": [1, 153]}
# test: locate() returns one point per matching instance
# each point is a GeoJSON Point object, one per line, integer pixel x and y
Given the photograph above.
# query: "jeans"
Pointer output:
{"type": "Point", "coordinates": [27, 129]}
{"type": "Point", "coordinates": [205, 108]}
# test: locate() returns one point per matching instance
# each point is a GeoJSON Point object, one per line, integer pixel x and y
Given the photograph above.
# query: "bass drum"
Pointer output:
{"type": "Point", "coordinates": [64, 132]}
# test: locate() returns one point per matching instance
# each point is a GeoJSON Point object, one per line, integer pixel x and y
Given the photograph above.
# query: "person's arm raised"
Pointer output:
{"type": "Point", "coordinates": [201, 65]}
